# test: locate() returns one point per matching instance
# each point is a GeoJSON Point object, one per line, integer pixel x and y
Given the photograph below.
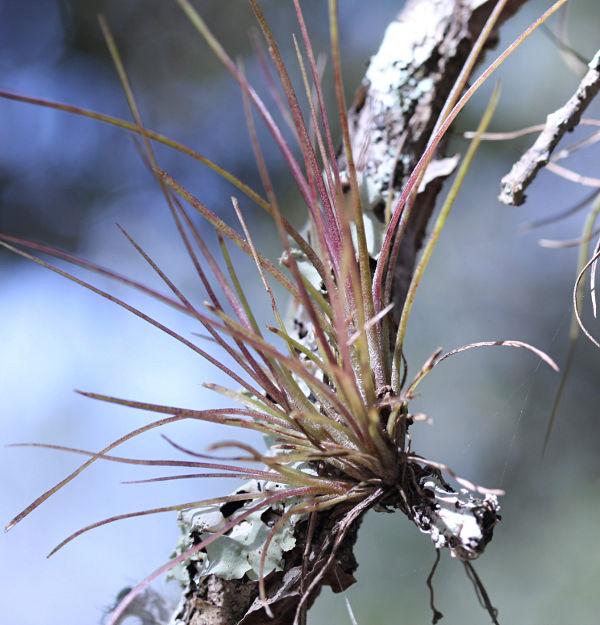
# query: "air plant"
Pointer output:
{"type": "Point", "coordinates": [327, 385]}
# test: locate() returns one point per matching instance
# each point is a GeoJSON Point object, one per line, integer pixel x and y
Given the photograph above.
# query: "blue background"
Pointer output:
{"type": "Point", "coordinates": [66, 181]}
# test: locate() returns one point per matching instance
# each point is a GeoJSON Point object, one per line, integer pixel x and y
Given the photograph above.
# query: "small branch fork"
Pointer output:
{"type": "Point", "coordinates": [563, 120]}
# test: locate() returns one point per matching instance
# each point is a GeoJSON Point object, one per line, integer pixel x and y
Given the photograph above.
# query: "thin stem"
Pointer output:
{"type": "Point", "coordinates": [435, 234]}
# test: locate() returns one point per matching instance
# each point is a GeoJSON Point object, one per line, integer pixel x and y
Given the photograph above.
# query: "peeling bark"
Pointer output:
{"type": "Point", "coordinates": [431, 39]}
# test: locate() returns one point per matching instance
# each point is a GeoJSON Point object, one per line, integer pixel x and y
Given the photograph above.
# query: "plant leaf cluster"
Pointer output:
{"type": "Point", "coordinates": [334, 397]}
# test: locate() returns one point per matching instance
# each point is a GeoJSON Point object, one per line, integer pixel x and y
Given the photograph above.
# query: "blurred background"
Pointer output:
{"type": "Point", "coordinates": [65, 181]}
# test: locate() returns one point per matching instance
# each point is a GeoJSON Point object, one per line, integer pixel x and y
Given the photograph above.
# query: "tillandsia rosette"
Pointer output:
{"type": "Point", "coordinates": [454, 519]}
{"type": "Point", "coordinates": [327, 386]}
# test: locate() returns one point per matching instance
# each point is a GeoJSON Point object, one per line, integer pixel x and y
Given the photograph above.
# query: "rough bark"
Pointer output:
{"type": "Point", "coordinates": [389, 124]}
{"type": "Point", "coordinates": [558, 123]}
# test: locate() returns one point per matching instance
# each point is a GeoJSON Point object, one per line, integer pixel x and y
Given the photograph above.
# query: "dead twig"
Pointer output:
{"type": "Point", "coordinates": [564, 119]}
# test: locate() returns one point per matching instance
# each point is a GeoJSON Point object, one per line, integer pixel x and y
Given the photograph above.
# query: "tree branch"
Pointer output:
{"type": "Point", "coordinates": [391, 121]}
{"type": "Point", "coordinates": [563, 120]}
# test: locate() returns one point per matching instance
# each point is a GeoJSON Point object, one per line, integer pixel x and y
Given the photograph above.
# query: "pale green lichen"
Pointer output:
{"type": "Point", "coordinates": [238, 552]}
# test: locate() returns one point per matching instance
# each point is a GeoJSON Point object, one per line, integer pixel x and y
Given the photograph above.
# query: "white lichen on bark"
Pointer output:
{"type": "Point", "coordinates": [238, 552]}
